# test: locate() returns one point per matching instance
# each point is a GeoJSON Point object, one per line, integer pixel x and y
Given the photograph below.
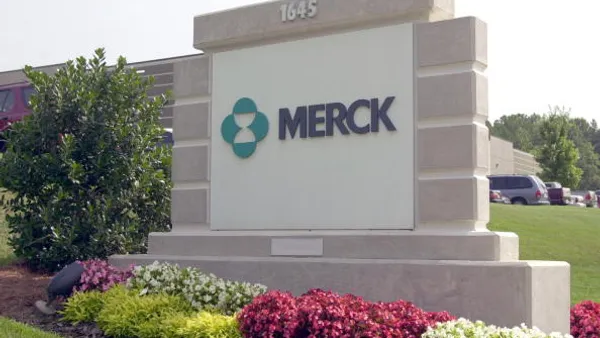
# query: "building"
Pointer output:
{"type": "Point", "coordinates": [505, 159]}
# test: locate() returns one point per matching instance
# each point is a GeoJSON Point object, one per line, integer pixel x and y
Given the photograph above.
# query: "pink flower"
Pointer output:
{"type": "Point", "coordinates": [100, 275]}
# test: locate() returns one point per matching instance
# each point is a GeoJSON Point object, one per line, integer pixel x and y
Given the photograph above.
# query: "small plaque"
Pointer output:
{"type": "Point", "coordinates": [297, 247]}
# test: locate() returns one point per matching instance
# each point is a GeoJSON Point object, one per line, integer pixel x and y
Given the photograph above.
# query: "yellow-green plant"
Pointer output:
{"type": "Point", "coordinates": [142, 316]}
{"type": "Point", "coordinates": [85, 306]}
{"type": "Point", "coordinates": [210, 325]}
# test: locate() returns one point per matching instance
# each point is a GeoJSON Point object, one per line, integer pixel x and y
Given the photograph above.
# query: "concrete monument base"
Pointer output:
{"type": "Point", "coordinates": [501, 293]}
{"type": "Point", "coordinates": [362, 244]}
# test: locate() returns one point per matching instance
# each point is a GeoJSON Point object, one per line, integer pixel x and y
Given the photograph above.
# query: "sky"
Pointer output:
{"type": "Point", "coordinates": [540, 52]}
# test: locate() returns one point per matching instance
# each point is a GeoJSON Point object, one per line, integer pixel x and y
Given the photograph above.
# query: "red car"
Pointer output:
{"type": "Point", "coordinates": [14, 101]}
{"type": "Point", "coordinates": [14, 105]}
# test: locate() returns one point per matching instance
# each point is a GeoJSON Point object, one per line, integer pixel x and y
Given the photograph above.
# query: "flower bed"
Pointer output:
{"type": "Point", "coordinates": [163, 300]}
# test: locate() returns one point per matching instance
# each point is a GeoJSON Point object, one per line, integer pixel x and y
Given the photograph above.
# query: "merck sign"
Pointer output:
{"type": "Point", "coordinates": [306, 122]}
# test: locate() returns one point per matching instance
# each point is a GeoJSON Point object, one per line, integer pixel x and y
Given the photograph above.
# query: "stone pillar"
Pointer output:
{"type": "Point", "coordinates": [191, 151]}
{"type": "Point", "coordinates": [452, 107]}
{"type": "Point", "coordinates": [406, 220]}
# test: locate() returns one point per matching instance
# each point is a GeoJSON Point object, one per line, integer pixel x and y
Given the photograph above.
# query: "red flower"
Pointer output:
{"type": "Point", "coordinates": [585, 320]}
{"type": "Point", "coordinates": [319, 313]}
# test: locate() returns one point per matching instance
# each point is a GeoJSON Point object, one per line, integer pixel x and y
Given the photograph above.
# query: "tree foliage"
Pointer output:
{"type": "Point", "coordinates": [86, 172]}
{"type": "Point", "coordinates": [539, 135]}
{"type": "Point", "coordinates": [558, 155]}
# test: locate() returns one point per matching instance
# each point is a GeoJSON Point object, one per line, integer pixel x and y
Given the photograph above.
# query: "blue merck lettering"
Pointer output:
{"type": "Point", "coordinates": [332, 119]}
{"type": "Point", "coordinates": [380, 113]}
{"type": "Point", "coordinates": [308, 120]}
{"type": "Point", "coordinates": [314, 120]}
{"type": "Point", "coordinates": [351, 120]}
{"type": "Point", "coordinates": [287, 122]}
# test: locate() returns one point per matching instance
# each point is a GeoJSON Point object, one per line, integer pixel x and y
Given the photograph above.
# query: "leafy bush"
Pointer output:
{"type": "Point", "coordinates": [462, 328]}
{"type": "Point", "coordinates": [326, 314]}
{"type": "Point", "coordinates": [141, 316]}
{"type": "Point", "coordinates": [273, 314]}
{"type": "Point", "coordinates": [83, 307]}
{"type": "Point", "coordinates": [100, 275]}
{"type": "Point", "coordinates": [203, 291]}
{"type": "Point", "coordinates": [209, 325]}
{"type": "Point", "coordinates": [86, 175]}
{"type": "Point", "coordinates": [585, 319]}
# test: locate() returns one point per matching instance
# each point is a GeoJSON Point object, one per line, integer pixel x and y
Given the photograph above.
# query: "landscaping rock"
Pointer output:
{"type": "Point", "coordinates": [62, 284]}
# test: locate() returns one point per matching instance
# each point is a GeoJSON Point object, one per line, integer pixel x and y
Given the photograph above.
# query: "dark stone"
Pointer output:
{"type": "Point", "coordinates": [62, 284]}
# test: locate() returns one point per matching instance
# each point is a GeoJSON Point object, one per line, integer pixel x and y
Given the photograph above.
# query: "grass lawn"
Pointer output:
{"type": "Point", "coordinates": [12, 329]}
{"type": "Point", "coordinates": [557, 234]}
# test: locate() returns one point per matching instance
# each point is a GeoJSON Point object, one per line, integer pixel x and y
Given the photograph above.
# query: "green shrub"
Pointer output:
{"type": "Point", "coordinates": [142, 316]}
{"type": "Point", "coordinates": [86, 176]}
{"type": "Point", "coordinates": [203, 291]}
{"type": "Point", "coordinates": [83, 307]}
{"type": "Point", "coordinates": [209, 325]}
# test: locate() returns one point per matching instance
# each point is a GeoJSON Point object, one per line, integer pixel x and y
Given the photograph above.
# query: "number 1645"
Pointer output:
{"type": "Point", "coordinates": [298, 9]}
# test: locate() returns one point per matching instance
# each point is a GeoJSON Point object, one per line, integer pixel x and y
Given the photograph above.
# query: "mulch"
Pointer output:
{"type": "Point", "coordinates": [20, 288]}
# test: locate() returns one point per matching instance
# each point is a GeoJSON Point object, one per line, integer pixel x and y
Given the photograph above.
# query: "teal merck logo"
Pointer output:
{"type": "Point", "coordinates": [258, 127]}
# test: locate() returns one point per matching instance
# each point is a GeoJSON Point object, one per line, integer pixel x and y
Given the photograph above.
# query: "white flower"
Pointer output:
{"type": "Point", "coordinates": [462, 328]}
{"type": "Point", "coordinates": [201, 290]}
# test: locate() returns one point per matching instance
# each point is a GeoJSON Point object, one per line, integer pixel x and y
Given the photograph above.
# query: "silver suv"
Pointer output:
{"type": "Point", "coordinates": [521, 189]}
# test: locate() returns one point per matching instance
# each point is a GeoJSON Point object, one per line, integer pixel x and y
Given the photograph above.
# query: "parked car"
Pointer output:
{"type": "Point", "coordinates": [521, 189]}
{"type": "Point", "coordinates": [14, 101]}
{"type": "Point", "coordinates": [14, 105]}
{"type": "Point", "coordinates": [557, 194]}
{"type": "Point", "coordinates": [591, 199]}
{"type": "Point", "coordinates": [496, 197]}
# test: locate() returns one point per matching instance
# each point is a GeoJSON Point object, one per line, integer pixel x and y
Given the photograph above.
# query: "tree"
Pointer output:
{"type": "Point", "coordinates": [589, 162]}
{"type": "Point", "coordinates": [490, 128]}
{"type": "Point", "coordinates": [596, 138]}
{"type": "Point", "coordinates": [581, 133]}
{"type": "Point", "coordinates": [86, 173]}
{"type": "Point", "coordinates": [558, 155]}
{"type": "Point", "coordinates": [520, 129]}
{"type": "Point", "coordinates": [524, 131]}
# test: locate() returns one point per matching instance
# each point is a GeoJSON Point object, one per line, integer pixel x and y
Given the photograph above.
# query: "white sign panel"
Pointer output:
{"type": "Point", "coordinates": [315, 134]}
